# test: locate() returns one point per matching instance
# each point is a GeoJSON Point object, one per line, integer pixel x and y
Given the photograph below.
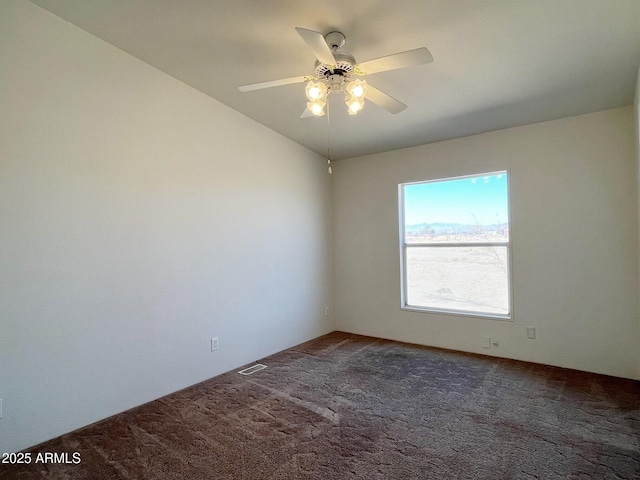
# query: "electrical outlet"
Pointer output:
{"type": "Point", "coordinates": [326, 311]}
{"type": "Point", "coordinates": [214, 344]}
{"type": "Point", "coordinates": [486, 342]}
{"type": "Point", "coordinates": [531, 332]}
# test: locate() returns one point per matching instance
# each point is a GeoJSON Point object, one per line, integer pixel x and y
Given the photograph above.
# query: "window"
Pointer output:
{"type": "Point", "coordinates": [454, 237]}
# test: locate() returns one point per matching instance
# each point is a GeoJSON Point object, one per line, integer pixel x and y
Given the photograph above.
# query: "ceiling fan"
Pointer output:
{"type": "Point", "coordinates": [337, 71]}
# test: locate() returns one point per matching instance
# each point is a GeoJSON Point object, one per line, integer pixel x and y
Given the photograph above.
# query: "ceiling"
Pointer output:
{"type": "Point", "coordinates": [497, 63]}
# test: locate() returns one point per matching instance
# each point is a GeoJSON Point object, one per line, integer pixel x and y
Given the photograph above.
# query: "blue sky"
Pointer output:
{"type": "Point", "coordinates": [464, 200]}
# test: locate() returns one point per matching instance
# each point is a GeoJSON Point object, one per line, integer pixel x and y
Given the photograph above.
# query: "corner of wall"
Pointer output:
{"type": "Point", "coordinates": [636, 109]}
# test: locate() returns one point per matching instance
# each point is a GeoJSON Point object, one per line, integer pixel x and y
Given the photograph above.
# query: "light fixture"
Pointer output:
{"type": "Point", "coordinates": [317, 107]}
{"type": "Point", "coordinates": [354, 104]}
{"type": "Point", "coordinates": [317, 92]}
{"type": "Point", "coordinates": [357, 88]}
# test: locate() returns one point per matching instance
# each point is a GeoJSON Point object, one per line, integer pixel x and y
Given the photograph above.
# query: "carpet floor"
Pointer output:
{"type": "Point", "coordinates": [345, 406]}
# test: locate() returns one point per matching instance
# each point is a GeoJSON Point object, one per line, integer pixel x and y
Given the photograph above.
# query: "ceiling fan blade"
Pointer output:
{"type": "Point", "coordinates": [410, 58]}
{"type": "Point", "coordinates": [306, 114]}
{"type": "Point", "coordinates": [385, 101]}
{"type": "Point", "coordinates": [272, 83]}
{"type": "Point", "coordinates": [318, 45]}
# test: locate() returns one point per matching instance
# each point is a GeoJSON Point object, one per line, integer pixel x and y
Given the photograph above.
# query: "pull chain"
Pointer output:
{"type": "Point", "coordinates": [329, 137]}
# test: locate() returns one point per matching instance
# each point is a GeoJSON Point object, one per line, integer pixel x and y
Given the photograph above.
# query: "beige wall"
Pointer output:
{"type": "Point", "coordinates": [574, 239]}
{"type": "Point", "coordinates": [636, 106]}
{"type": "Point", "coordinates": [138, 219]}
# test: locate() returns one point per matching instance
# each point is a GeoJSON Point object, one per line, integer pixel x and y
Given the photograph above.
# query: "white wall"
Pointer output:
{"type": "Point", "coordinates": [636, 106]}
{"type": "Point", "coordinates": [138, 219]}
{"type": "Point", "coordinates": [575, 243]}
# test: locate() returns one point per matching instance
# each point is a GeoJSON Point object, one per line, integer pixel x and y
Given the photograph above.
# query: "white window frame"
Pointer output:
{"type": "Point", "coordinates": [404, 246]}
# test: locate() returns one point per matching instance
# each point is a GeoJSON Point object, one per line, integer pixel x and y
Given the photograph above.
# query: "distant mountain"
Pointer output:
{"type": "Point", "coordinates": [452, 228]}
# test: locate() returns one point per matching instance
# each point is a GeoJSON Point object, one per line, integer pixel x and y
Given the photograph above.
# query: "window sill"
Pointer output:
{"type": "Point", "coordinates": [459, 313]}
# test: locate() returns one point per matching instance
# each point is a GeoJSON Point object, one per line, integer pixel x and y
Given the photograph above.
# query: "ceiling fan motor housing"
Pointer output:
{"type": "Point", "coordinates": [345, 65]}
{"type": "Point", "coordinates": [335, 83]}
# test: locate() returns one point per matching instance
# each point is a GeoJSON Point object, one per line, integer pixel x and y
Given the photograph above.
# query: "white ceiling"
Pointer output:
{"type": "Point", "coordinates": [497, 63]}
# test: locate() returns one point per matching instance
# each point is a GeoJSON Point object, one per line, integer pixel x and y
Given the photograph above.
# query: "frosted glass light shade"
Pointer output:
{"type": "Point", "coordinates": [316, 91]}
{"type": "Point", "coordinates": [357, 88]}
{"type": "Point", "coordinates": [354, 104]}
{"type": "Point", "coordinates": [317, 107]}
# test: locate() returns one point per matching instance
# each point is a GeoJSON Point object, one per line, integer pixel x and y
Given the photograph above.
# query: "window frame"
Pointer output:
{"type": "Point", "coordinates": [404, 246]}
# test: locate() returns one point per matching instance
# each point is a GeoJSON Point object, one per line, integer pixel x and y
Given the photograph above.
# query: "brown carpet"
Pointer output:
{"type": "Point", "coordinates": [346, 406]}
